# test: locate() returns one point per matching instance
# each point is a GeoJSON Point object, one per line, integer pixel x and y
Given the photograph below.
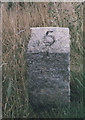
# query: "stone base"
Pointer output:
{"type": "Point", "coordinates": [48, 79]}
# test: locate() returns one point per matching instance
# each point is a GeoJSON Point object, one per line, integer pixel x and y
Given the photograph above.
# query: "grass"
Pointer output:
{"type": "Point", "coordinates": [17, 17]}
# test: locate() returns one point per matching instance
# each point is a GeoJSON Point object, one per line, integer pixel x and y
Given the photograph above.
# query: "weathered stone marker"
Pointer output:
{"type": "Point", "coordinates": [49, 66]}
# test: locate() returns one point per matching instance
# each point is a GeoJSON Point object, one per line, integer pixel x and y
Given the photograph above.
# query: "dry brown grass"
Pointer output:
{"type": "Point", "coordinates": [0, 68]}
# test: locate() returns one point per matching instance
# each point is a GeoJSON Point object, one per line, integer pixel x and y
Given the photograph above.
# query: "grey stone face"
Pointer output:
{"type": "Point", "coordinates": [48, 60]}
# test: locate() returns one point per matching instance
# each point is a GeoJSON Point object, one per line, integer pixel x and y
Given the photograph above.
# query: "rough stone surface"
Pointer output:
{"type": "Point", "coordinates": [48, 59]}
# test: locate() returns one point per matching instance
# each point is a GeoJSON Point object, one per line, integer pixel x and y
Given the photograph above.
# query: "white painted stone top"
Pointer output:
{"type": "Point", "coordinates": [49, 39]}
